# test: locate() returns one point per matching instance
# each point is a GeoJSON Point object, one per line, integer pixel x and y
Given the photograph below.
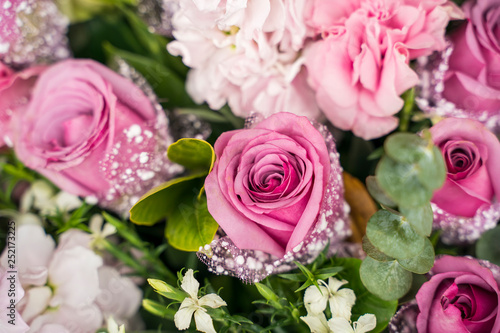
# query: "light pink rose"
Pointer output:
{"type": "Point", "coordinates": [472, 157]}
{"type": "Point", "coordinates": [462, 296]}
{"type": "Point", "coordinates": [358, 65]}
{"type": "Point", "coordinates": [82, 114]}
{"type": "Point", "coordinates": [268, 182]}
{"type": "Point", "coordinates": [473, 79]}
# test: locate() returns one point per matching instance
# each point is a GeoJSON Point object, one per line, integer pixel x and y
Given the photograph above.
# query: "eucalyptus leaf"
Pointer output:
{"type": "Point", "coordinates": [373, 252]}
{"type": "Point", "coordinates": [402, 183]}
{"type": "Point", "coordinates": [420, 218]}
{"type": "Point", "coordinates": [366, 302]}
{"type": "Point", "coordinates": [377, 193]}
{"type": "Point", "coordinates": [422, 263]}
{"type": "Point", "coordinates": [190, 226]}
{"type": "Point", "coordinates": [488, 246]}
{"type": "Point", "coordinates": [193, 154]}
{"type": "Point", "coordinates": [393, 235]}
{"type": "Point", "coordinates": [432, 170]}
{"type": "Point", "coordinates": [388, 280]}
{"type": "Point", "coordinates": [164, 199]}
{"type": "Point", "coordinates": [405, 147]}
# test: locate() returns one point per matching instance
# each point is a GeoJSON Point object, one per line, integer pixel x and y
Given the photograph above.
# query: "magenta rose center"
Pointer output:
{"type": "Point", "coordinates": [474, 303]}
{"type": "Point", "coordinates": [462, 159]}
{"type": "Point", "coordinates": [274, 176]}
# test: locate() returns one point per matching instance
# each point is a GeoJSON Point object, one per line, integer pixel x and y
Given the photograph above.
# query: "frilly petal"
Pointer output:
{"type": "Point", "coordinates": [182, 318]}
{"type": "Point", "coordinates": [316, 323]}
{"type": "Point", "coordinates": [315, 300]}
{"type": "Point", "coordinates": [190, 284]}
{"type": "Point", "coordinates": [203, 321]}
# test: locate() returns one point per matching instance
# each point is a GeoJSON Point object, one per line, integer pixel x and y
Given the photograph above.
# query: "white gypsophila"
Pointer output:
{"type": "Point", "coordinates": [193, 306]}
{"type": "Point", "coordinates": [99, 231]}
{"type": "Point", "coordinates": [43, 197]}
{"type": "Point", "coordinates": [340, 300]}
{"type": "Point", "coordinates": [365, 323]}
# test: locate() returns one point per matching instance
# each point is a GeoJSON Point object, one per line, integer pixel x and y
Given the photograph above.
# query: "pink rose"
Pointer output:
{"type": "Point", "coordinates": [268, 183]}
{"type": "Point", "coordinates": [472, 82]}
{"type": "Point", "coordinates": [358, 65]}
{"type": "Point", "coordinates": [472, 157]}
{"type": "Point", "coordinates": [89, 130]}
{"type": "Point", "coordinates": [15, 90]}
{"type": "Point", "coordinates": [461, 297]}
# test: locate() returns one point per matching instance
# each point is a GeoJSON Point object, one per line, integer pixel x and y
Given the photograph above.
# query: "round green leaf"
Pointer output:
{"type": "Point", "coordinates": [405, 147]}
{"type": "Point", "coordinates": [393, 235]}
{"type": "Point", "coordinates": [388, 280]}
{"type": "Point", "coordinates": [401, 182]}
{"type": "Point", "coordinates": [373, 252]}
{"type": "Point", "coordinates": [488, 246]}
{"type": "Point", "coordinates": [420, 218]}
{"type": "Point", "coordinates": [193, 154]}
{"type": "Point", "coordinates": [432, 170]}
{"type": "Point", "coordinates": [377, 193]}
{"type": "Point", "coordinates": [163, 200]}
{"type": "Point", "coordinates": [422, 263]}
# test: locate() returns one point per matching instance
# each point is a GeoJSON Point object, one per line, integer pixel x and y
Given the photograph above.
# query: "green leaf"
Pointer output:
{"type": "Point", "coordinates": [402, 183]}
{"type": "Point", "coordinates": [488, 246]}
{"type": "Point", "coordinates": [325, 273]}
{"type": "Point", "coordinates": [191, 226]}
{"type": "Point", "coordinates": [377, 193]}
{"type": "Point", "coordinates": [366, 302]}
{"type": "Point", "coordinates": [432, 170]}
{"type": "Point", "coordinates": [422, 263]}
{"type": "Point", "coordinates": [167, 290]}
{"type": "Point", "coordinates": [420, 218]}
{"type": "Point", "coordinates": [164, 199]}
{"type": "Point", "coordinates": [388, 280]}
{"type": "Point", "coordinates": [158, 309]}
{"type": "Point", "coordinates": [393, 235]}
{"type": "Point", "coordinates": [193, 154]}
{"type": "Point", "coordinates": [373, 252]}
{"type": "Point", "coordinates": [406, 147]}
{"type": "Point", "coordinates": [167, 85]}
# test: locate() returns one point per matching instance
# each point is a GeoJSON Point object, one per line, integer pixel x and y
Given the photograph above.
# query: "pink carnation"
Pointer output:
{"type": "Point", "coordinates": [245, 54]}
{"type": "Point", "coordinates": [359, 64]}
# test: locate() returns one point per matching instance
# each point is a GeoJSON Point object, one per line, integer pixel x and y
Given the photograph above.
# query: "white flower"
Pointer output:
{"type": "Point", "coordinates": [317, 323]}
{"type": "Point", "coordinates": [113, 326]}
{"type": "Point", "coordinates": [365, 323]}
{"type": "Point", "coordinates": [99, 232]}
{"type": "Point", "coordinates": [42, 196]}
{"type": "Point", "coordinates": [192, 305]}
{"type": "Point", "coordinates": [341, 301]}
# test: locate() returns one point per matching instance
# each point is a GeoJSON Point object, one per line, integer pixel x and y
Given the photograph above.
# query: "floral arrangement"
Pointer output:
{"type": "Point", "coordinates": [317, 166]}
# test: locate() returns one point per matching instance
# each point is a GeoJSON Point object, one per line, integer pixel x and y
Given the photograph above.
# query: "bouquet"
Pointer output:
{"type": "Point", "coordinates": [319, 166]}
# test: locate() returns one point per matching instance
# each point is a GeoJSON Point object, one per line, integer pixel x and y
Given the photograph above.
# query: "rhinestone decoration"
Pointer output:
{"type": "Point", "coordinates": [32, 31]}
{"type": "Point", "coordinates": [223, 257]}
{"type": "Point", "coordinates": [461, 230]}
{"type": "Point", "coordinates": [158, 14]}
{"type": "Point", "coordinates": [432, 72]}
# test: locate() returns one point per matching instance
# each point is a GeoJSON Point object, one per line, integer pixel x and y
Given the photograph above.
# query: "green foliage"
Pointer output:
{"type": "Point", "coordinates": [393, 235]}
{"type": "Point", "coordinates": [386, 279]}
{"type": "Point", "coordinates": [488, 246]}
{"type": "Point", "coordinates": [181, 200]}
{"type": "Point", "coordinates": [396, 242]}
